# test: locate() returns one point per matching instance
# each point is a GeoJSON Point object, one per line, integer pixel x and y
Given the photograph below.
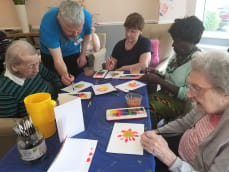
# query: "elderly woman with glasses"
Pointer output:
{"type": "Point", "coordinates": [204, 144]}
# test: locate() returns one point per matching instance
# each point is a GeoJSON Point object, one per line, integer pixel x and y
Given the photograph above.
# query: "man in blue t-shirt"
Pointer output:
{"type": "Point", "coordinates": [64, 36]}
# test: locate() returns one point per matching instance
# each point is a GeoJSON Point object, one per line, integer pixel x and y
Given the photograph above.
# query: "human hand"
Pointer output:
{"type": "Point", "coordinates": [121, 68]}
{"type": "Point", "coordinates": [67, 79]}
{"type": "Point", "coordinates": [81, 61]}
{"type": "Point", "coordinates": [110, 63]}
{"type": "Point", "coordinates": [149, 70]}
{"type": "Point", "coordinates": [157, 145]}
{"type": "Point", "coordinates": [150, 77]}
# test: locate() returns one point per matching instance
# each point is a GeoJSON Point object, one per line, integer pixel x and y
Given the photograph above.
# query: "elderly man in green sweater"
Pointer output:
{"type": "Point", "coordinates": [24, 75]}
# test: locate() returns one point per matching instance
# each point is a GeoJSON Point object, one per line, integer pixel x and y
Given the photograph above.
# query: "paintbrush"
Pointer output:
{"type": "Point", "coordinates": [72, 82]}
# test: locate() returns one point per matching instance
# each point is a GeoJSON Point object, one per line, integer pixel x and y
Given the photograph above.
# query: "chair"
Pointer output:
{"type": "Point", "coordinates": [165, 50]}
{"type": "Point", "coordinates": [100, 55]}
{"type": "Point", "coordinates": [7, 135]}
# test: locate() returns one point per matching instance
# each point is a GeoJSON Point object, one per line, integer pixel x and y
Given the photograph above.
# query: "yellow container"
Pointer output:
{"type": "Point", "coordinates": [40, 108]}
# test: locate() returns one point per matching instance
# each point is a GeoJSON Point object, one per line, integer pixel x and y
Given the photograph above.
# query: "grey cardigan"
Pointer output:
{"type": "Point", "coordinates": [213, 154]}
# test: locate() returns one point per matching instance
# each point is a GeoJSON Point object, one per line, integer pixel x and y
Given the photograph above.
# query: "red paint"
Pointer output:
{"type": "Point", "coordinates": [88, 160]}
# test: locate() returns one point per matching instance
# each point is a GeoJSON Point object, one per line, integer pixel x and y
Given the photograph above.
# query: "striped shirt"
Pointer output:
{"type": "Point", "coordinates": [12, 95]}
{"type": "Point", "coordinates": [193, 137]}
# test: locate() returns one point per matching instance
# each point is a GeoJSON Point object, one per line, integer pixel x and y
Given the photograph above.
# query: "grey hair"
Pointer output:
{"type": "Point", "coordinates": [16, 51]}
{"type": "Point", "coordinates": [215, 65]}
{"type": "Point", "coordinates": [72, 12]}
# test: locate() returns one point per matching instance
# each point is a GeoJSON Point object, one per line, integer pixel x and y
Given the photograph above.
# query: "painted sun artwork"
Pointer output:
{"type": "Point", "coordinates": [103, 88]}
{"type": "Point", "coordinates": [77, 87]}
{"type": "Point", "coordinates": [114, 74]}
{"type": "Point", "coordinates": [130, 85]}
{"type": "Point", "coordinates": [128, 135]}
{"type": "Point", "coordinates": [125, 139]}
{"type": "Point", "coordinates": [133, 85]}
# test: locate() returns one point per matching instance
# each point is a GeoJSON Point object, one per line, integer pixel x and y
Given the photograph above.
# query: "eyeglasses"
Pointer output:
{"type": "Point", "coordinates": [196, 90]}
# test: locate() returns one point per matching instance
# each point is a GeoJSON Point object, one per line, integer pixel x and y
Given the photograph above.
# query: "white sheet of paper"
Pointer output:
{"type": "Point", "coordinates": [130, 85]}
{"type": "Point", "coordinates": [76, 87]}
{"type": "Point", "coordinates": [75, 155]}
{"type": "Point", "coordinates": [69, 119]}
{"type": "Point", "coordinates": [114, 74]}
{"type": "Point", "coordinates": [103, 88]}
{"type": "Point", "coordinates": [65, 97]}
{"type": "Point", "coordinates": [125, 139]}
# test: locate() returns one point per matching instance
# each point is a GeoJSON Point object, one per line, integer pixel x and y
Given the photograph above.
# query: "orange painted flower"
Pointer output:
{"type": "Point", "coordinates": [128, 135]}
{"type": "Point", "coordinates": [79, 86]}
{"type": "Point", "coordinates": [102, 88]}
{"type": "Point", "coordinates": [134, 84]}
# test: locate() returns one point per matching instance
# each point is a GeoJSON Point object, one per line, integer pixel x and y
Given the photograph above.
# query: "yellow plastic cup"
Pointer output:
{"type": "Point", "coordinates": [40, 108]}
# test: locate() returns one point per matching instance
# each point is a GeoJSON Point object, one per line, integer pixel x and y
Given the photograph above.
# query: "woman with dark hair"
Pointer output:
{"type": "Point", "coordinates": [135, 50]}
{"type": "Point", "coordinates": [170, 100]}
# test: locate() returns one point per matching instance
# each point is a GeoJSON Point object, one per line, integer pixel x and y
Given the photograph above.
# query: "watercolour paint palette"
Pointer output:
{"type": "Point", "coordinates": [100, 74]}
{"type": "Point", "coordinates": [114, 74]}
{"type": "Point", "coordinates": [125, 113]}
{"type": "Point", "coordinates": [103, 89]}
{"type": "Point", "coordinates": [125, 139]}
{"type": "Point", "coordinates": [130, 85]}
{"type": "Point", "coordinates": [77, 87]}
{"type": "Point", "coordinates": [131, 76]}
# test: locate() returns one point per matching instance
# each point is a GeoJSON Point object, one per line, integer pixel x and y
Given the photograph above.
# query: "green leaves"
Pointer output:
{"type": "Point", "coordinates": [19, 2]}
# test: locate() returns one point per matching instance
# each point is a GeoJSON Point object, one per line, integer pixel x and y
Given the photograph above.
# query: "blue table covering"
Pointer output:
{"type": "Point", "coordinates": [97, 128]}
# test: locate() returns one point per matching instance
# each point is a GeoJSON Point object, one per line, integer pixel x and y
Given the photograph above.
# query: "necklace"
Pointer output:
{"type": "Point", "coordinates": [174, 64]}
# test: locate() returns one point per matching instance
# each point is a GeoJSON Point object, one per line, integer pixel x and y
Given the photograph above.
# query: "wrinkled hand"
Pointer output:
{"type": "Point", "coordinates": [157, 145]}
{"type": "Point", "coordinates": [150, 77]}
{"type": "Point", "coordinates": [67, 79]}
{"type": "Point", "coordinates": [81, 61]}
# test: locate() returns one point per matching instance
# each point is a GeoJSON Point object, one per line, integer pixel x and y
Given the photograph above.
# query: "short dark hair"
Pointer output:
{"type": "Point", "coordinates": [134, 21]}
{"type": "Point", "coordinates": [188, 29]}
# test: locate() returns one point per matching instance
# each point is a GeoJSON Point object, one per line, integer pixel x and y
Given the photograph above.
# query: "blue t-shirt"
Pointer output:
{"type": "Point", "coordinates": [52, 36]}
{"type": "Point", "coordinates": [128, 57]}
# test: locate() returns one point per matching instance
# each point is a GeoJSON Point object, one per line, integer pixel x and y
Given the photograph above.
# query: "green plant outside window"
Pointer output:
{"type": "Point", "coordinates": [19, 2]}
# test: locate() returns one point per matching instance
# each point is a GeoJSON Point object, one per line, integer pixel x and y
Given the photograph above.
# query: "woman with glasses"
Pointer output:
{"type": "Point", "coordinates": [204, 144]}
{"type": "Point", "coordinates": [171, 100]}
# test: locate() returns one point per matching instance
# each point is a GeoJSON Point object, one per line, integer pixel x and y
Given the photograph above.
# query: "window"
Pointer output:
{"type": "Point", "coordinates": [215, 14]}
{"type": "Point", "coordinates": [215, 17]}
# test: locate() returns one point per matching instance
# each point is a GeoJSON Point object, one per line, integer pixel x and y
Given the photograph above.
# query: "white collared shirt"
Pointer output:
{"type": "Point", "coordinates": [17, 80]}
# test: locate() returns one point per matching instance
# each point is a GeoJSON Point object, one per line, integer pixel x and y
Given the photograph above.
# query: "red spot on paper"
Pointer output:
{"type": "Point", "coordinates": [90, 154]}
{"type": "Point", "coordinates": [88, 160]}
